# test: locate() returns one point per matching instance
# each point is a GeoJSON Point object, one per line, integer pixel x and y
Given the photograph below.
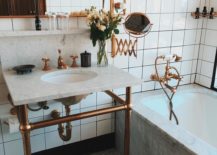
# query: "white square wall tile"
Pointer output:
{"type": "Point", "coordinates": [149, 56]}
{"type": "Point", "coordinates": [167, 6]}
{"type": "Point", "coordinates": [53, 140]}
{"type": "Point", "coordinates": [190, 37]}
{"type": "Point", "coordinates": [205, 81]}
{"type": "Point", "coordinates": [137, 72]}
{"type": "Point", "coordinates": [37, 143]}
{"type": "Point", "coordinates": [179, 21]}
{"type": "Point", "coordinates": [121, 61]}
{"type": "Point", "coordinates": [177, 38]}
{"type": "Point", "coordinates": [104, 127]}
{"type": "Point", "coordinates": [136, 61]}
{"type": "Point", "coordinates": [166, 21]}
{"type": "Point", "coordinates": [151, 40]}
{"type": "Point", "coordinates": [165, 39]}
{"type": "Point", "coordinates": [186, 80]}
{"type": "Point", "coordinates": [188, 52]}
{"type": "Point", "coordinates": [190, 22]}
{"type": "Point", "coordinates": [17, 146]}
{"type": "Point", "coordinates": [186, 67]}
{"type": "Point", "coordinates": [155, 20]}
{"type": "Point", "coordinates": [148, 86]}
{"type": "Point", "coordinates": [88, 131]}
{"type": "Point", "coordinates": [147, 71]}
{"type": "Point", "coordinates": [192, 5]}
{"type": "Point", "coordinates": [194, 66]}
{"type": "Point", "coordinates": [153, 6]}
{"type": "Point", "coordinates": [209, 53]}
{"type": "Point", "coordinates": [138, 8]}
{"type": "Point", "coordinates": [181, 5]}
{"type": "Point", "coordinates": [207, 69]}
{"type": "Point", "coordinates": [210, 34]}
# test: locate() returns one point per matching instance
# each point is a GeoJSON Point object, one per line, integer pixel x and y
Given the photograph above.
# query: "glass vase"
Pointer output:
{"type": "Point", "coordinates": [102, 59]}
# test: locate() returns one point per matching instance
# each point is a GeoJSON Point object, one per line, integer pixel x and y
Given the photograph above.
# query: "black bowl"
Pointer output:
{"type": "Point", "coordinates": [24, 69]}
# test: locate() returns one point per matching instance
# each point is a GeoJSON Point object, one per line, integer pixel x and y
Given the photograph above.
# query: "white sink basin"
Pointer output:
{"type": "Point", "coordinates": [68, 76]}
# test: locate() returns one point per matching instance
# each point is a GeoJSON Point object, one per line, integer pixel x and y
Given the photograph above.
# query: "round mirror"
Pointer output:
{"type": "Point", "coordinates": [137, 24]}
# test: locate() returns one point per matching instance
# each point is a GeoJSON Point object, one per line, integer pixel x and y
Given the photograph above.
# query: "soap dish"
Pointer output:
{"type": "Point", "coordinates": [23, 69]}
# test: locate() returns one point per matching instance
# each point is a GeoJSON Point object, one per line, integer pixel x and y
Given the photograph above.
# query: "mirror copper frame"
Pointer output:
{"type": "Point", "coordinates": [214, 81]}
{"type": "Point", "coordinates": [133, 28]}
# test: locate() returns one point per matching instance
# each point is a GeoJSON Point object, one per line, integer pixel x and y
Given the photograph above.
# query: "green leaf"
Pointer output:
{"type": "Point", "coordinates": [116, 31]}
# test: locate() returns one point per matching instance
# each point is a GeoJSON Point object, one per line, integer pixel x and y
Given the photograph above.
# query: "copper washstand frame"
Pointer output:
{"type": "Point", "coordinates": [124, 105]}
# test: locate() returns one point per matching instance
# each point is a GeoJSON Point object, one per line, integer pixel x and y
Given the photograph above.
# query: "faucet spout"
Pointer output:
{"type": "Point", "coordinates": [61, 64]}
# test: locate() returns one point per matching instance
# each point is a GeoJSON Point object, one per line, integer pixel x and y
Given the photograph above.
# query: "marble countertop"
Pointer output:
{"type": "Point", "coordinates": [29, 88]}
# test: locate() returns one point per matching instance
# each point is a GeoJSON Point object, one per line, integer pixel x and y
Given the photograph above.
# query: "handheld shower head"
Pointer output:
{"type": "Point", "coordinates": [177, 58]}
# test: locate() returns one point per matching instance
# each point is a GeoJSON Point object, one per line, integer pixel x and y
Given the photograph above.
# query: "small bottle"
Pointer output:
{"type": "Point", "coordinates": [197, 13]}
{"type": "Point", "coordinates": [204, 11]}
{"type": "Point", "coordinates": [211, 13]}
{"type": "Point", "coordinates": [37, 23]}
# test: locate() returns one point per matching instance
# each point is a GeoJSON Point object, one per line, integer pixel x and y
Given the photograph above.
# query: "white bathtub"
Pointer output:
{"type": "Point", "coordinates": [196, 109]}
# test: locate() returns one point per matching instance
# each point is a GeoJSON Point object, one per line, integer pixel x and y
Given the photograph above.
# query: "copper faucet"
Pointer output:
{"type": "Point", "coordinates": [168, 75]}
{"type": "Point", "coordinates": [164, 80]}
{"type": "Point", "coordinates": [61, 64]}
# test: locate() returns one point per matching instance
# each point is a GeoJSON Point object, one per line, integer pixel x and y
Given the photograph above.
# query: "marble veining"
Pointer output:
{"type": "Point", "coordinates": [29, 88]}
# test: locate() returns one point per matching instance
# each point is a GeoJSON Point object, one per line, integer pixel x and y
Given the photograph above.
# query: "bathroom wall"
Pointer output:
{"type": "Point", "coordinates": [174, 31]}
{"type": "Point", "coordinates": [207, 49]}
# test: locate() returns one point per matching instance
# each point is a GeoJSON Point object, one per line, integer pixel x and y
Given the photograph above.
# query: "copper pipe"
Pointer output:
{"type": "Point", "coordinates": [70, 118]}
{"type": "Point", "coordinates": [25, 128]}
{"type": "Point", "coordinates": [115, 97]}
{"type": "Point", "coordinates": [127, 122]}
{"type": "Point", "coordinates": [55, 114]}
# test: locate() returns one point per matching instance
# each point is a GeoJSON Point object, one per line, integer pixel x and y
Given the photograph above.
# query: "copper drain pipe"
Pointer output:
{"type": "Point", "coordinates": [55, 114]}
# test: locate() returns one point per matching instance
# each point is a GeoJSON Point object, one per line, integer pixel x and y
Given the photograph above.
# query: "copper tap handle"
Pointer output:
{"type": "Point", "coordinates": [46, 66]}
{"type": "Point", "coordinates": [74, 64]}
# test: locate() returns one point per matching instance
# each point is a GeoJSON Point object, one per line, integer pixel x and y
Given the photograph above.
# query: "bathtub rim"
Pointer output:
{"type": "Point", "coordinates": [185, 138]}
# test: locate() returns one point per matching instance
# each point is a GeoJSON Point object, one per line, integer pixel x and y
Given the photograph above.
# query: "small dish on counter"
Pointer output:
{"type": "Point", "coordinates": [24, 69]}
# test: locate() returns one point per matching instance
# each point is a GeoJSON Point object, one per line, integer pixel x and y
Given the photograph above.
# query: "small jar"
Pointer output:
{"type": "Point", "coordinates": [85, 59]}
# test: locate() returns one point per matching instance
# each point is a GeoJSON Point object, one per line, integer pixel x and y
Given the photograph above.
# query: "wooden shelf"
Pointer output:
{"type": "Point", "coordinates": [41, 33]}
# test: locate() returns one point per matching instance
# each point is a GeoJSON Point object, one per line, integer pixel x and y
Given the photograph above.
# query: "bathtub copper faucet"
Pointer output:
{"type": "Point", "coordinates": [164, 80]}
{"type": "Point", "coordinates": [168, 76]}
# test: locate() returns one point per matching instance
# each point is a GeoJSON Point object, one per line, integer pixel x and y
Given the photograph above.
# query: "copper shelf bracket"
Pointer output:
{"type": "Point", "coordinates": [124, 47]}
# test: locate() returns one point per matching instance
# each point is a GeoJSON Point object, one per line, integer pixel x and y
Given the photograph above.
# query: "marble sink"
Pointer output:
{"type": "Point", "coordinates": [68, 76]}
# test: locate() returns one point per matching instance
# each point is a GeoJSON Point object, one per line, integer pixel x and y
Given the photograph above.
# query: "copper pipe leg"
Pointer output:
{"type": "Point", "coordinates": [127, 122]}
{"type": "Point", "coordinates": [25, 129]}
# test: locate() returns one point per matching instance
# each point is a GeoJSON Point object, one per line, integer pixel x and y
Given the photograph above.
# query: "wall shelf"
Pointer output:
{"type": "Point", "coordinates": [41, 33]}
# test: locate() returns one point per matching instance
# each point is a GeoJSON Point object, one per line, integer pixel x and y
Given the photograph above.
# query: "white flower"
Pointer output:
{"type": "Point", "coordinates": [102, 28]}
